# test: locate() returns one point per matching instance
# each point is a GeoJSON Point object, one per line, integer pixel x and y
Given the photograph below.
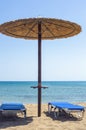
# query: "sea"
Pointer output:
{"type": "Point", "coordinates": [22, 91]}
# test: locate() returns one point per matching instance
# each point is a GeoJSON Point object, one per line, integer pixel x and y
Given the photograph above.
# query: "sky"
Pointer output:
{"type": "Point", "coordinates": [62, 59]}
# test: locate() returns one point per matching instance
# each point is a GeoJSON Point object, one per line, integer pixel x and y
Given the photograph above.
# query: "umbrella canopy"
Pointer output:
{"type": "Point", "coordinates": [50, 28]}
{"type": "Point", "coordinates": [40, 28]}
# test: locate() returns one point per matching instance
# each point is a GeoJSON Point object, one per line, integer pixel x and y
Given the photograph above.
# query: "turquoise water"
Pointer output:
{"type": "Point", "coordinates": [72, 91]}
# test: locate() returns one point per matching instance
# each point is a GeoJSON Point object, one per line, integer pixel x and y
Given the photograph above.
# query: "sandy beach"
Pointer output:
{"type": "Point", "coordinates": [45, 122]}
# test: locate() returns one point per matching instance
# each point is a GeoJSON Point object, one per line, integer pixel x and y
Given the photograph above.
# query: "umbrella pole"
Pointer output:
{"type": "Point", "coordinates": [39, 69]}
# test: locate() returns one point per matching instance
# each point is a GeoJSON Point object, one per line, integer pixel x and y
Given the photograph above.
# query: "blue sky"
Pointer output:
{"type": "Point", "coordinates": [62, 59]}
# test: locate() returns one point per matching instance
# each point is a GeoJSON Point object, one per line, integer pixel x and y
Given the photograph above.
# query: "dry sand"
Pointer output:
{"type": "Point", "coordinates": [45, 122]}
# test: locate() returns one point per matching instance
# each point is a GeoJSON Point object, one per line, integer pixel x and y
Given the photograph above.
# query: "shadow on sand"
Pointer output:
{"type": "Point", "coordinates": [62, 118]}
{"type": "Point", "coordinates": [14, 121]}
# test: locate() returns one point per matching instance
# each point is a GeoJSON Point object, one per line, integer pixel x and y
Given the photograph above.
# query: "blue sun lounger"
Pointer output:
{"type": "Point", "coordinates": [12, 109]}
{"type": "Point", "coordinates": [65, 107]}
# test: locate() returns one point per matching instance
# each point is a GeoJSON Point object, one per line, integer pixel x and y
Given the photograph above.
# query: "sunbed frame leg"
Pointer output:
{"type": "Point", "coordinates": [55, 115]}
{"type": "Point", "coordinates": [80, 116]}
{"type": "Point", "coordinates": [24, 114]}
{"type": "Point", "coordinates": [49, 108]}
